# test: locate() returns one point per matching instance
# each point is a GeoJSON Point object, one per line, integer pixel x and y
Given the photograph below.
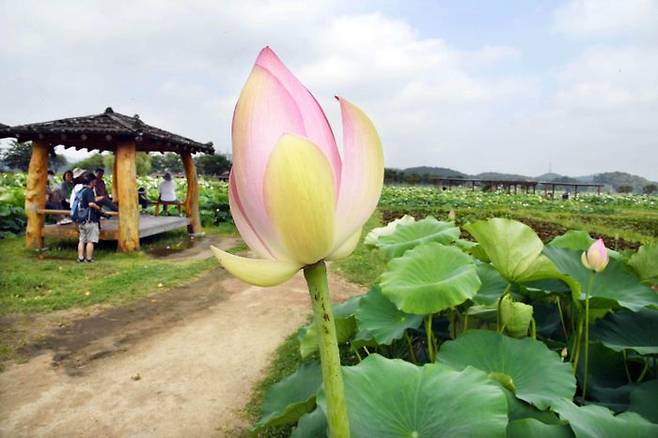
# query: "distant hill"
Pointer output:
{"type": "Point", "coordinates": [613, 180]}
{"type": "Point", "coordinates": [434, 171]}
{"type": "Point", "coordinates": [502, 176]}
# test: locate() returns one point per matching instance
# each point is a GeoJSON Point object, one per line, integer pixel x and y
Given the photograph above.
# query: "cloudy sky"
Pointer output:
{"type": "Point", "coordinates": [508, 86]}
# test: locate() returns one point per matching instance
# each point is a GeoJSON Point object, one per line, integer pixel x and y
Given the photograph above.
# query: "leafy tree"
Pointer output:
{"type": "Point", "coordinates": [142, 163]}
{"type": "Point", "coordinates": [650, 189]}
{"type": "Point", "coordinates": [17, 155]}
{"type": "Point", "coordinates": [92, 162]}
{"type": "Point", "coordinates": [168, 162]}
{"type": "Point", "coordinates": [212, 164]}
{"type": "Point", "coordinates": [625, 188]}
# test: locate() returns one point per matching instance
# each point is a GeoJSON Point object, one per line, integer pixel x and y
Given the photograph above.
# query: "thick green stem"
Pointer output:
{"type": "Point", "coordinates": [586, 370]}
{"type": "Point", "coordinates": [576, 347]}
{"type": "Point", "coordinates": [564, 327]}
{"type": "Point", "coordinates": [643, 372]}
{"type": "Point", "coordinates": [412, 353]}
{"type": "Point", "coordinates": [628, 372]}
{"type": "Point", "coordinates": [499, 328]}
{"type": "Point", "coordinates": [430, 344]}
{"type": "Point", "coordinates": [316, 278]}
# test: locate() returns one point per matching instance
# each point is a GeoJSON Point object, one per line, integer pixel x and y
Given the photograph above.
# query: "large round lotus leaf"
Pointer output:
{"type": "Point", "coordinates": [513, 248]}
{"type": "Point", "coordinates": [492, 284]}
{"type": "Point", "coordinates": [515, 317]}
{"type": "Point", "coordinates": [531, 428]}
{"type": "Point", "coordinates": [645, 263]}
{"type": "Point", "coordinates": [311, 425]}
{"type": "Point", "coordinates": [518, 410]}
{"type": "Point", "coordinates": [626, 330]}
{"type": "Point", "coordinates": [644, 400]}
{"type": "Point", "coordinates": [389, 398]}
{"type": "Point", "coordinates": [598, 422]}
{"type": "Point", "coordinates": [291, 398]}
{"type": "Point", "coordinates": [573, 239]}
{"type": "Point", "coordinates": [616, 283]}
{"type": "Point", "coordinates": [345, 327]}
{"type": "Point", "coordinates": [430, 278]}
{"type": "Point", "coordinates": [308, 335]}
{"type": "Point", "coordinates": [373, 236]}
{"type": "Point", "coordinates": [534, 373]}
{"type": "Point", "coordinates": [409, 235]}
{"type": "Point", "coordinates": [381, 319]}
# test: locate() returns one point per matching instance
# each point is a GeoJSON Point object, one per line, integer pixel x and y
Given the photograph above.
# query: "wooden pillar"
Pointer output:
{"type": "Point", "coordinates": [115, 180]}
{"type": "Point", "coordinates": [126, 173]}
{"type": "Point", "coordinates": [35, 195]}
{"type": "Point", "coordinates": [192, 198]}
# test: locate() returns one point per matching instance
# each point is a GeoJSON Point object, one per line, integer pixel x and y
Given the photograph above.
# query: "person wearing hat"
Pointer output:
{"type": "Point", "coordinates": [102, 197]}
{"type": "Point", "coordinates": [167, 191]}
{"type": "Point", "coordinates": [77, 183]}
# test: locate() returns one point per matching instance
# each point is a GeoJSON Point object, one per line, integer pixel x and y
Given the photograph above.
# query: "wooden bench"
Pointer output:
{"type": "Point", "coordinates": [68, 212]}
{"type": "Point", "coordinates": [179, 206]}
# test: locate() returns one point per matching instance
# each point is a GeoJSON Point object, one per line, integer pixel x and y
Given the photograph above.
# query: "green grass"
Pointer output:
{"type": "Point", "coordinates": [364, 266]}
{"type": "Point", "coordinates": [53, 280]}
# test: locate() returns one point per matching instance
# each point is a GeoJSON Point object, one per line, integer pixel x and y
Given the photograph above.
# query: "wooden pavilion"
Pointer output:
{"type": "Point", "coordinates": [124, 136]}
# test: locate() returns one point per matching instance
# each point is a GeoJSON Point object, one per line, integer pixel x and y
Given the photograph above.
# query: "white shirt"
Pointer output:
{"type": "Point", "coordinates": [168, 191]}
{"type": "Point", "coordinates": [74, 192]}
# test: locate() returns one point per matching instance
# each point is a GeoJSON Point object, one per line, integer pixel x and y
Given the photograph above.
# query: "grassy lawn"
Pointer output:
{"type": "Point", "coordinates": [52, 280]}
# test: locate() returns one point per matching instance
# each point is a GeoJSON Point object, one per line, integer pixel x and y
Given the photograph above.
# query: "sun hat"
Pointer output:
{"type": "Point", "coordinates": [77, 172]}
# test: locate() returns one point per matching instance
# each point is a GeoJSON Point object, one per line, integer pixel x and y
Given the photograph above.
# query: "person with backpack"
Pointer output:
{"type": "Point", "coordinates": [87, 213]}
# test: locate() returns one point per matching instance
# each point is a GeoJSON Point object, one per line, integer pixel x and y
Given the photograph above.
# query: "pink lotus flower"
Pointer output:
{"type": "Point", "coordinates": [596, 257]}
{"type": "Point", "coordinates": [293, 198]}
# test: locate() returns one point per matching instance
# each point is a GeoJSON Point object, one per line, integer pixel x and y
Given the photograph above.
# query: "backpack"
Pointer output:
{"type": "Point", "coordinates": [80, 214]}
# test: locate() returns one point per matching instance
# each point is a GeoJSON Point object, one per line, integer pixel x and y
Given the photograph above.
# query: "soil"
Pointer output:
{"type": "Point", "coordinates": [178, 363]}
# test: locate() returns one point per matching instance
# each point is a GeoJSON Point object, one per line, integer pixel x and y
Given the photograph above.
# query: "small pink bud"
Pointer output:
{"type": "Point", "coordinates": [596, 257]}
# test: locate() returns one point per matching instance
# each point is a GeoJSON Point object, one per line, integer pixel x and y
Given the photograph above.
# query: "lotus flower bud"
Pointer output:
{"type": "Point", "coordinates": [596, 257]}
{"type": "Point", "coordinates": [515, 317]}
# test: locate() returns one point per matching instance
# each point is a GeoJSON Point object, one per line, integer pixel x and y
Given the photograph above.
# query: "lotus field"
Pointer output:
{"type": "Point", "coordinates": [494, 335]}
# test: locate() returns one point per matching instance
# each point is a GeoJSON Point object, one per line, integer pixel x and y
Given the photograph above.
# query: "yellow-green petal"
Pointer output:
{"type": "Point", "coordinates": [347, 247]}
{"type": "Point", "coordinates": [259, 272]}
{"type": "Point", "coordinates": [300, 198]}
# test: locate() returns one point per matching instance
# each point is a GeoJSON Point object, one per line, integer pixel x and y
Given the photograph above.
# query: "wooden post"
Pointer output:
{"type": "Point", "coordinates": [192, 198]}
{"type": "Point", "coordinates": [115, 180]}
{"type": "Point", "coordinates": [35, 195]}
{"type": "Point", "coordinates": [127, 197]}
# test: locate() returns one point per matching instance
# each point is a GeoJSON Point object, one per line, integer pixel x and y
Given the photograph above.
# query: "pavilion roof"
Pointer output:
{"type": "Point", "coordinates": [103, 132]}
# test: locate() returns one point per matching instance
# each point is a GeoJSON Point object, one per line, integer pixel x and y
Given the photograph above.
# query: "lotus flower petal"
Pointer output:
{"type": "Point", "coordinates": [347, 247]}
{"type": "Point", "coordinates": [363, 171]}
{"type": "Point", "coordinates": [247, 231]}
{"type": "Point", "coordinates": [300, 198]}
{"type": "Point", "coordinates": [596, 257]}
{"type": "Point", "coordinates": [258, 272]}
{"type": "Point", "coordinates": [264, 112]}
{"type": "Point", "coordinates": [316, 125]}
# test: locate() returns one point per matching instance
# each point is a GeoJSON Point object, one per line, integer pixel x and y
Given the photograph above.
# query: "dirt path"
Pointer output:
{"type": "Point", "coordinates": [180, 363]}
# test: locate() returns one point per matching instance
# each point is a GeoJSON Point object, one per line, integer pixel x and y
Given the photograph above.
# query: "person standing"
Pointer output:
{"type": "Point", "coordinates": [66, 188]}
{"type": "Point", "coordinates": [88, 219]}
{"type": "Point", "coordinates": [102, 197]}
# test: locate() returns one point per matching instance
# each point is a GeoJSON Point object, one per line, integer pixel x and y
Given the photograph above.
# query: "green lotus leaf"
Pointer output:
{"type": "Point", "coordinates": [430, 278]}
{"type": "Point", "coordinates": [515, 317]}
{"type": "Point", "coordinates": [345, 327]}
{"type": "Point", "coordinates": [382, 320]}
{"type": "Point", "coordinates": [311, 425]}
{"type": "Point", "coordinates": [616, 284]}
{"type": "Point", "coordinates": [390, 398]}
{"type": "Point", "coordinates": [644, 400]}
{"type": "Point", "coordinates": [573, 239]}
{"type": "Point", "coordinates": [645, 263]}
{"type": "Point", "coordinates": [465, 245]}
{"type": "Point", "coordinates": [308, 335]}
{"type": "Point", "coordinates": [531, 428]}
{"type": "Point", "coordinates": [537, 374]}
{"type": "Point", "coordinates": [513, 248]}
{"type": "Point", "coordinates": [409, 235]}
{"type": "Point", "coordinates": [598, 422]}
{"type": "Point", "coordinates": [518, 410]}
{"type": "Point", "coordinates": [291, 398]}
{"type": "Point", "coordinates": [373, 236]}
{"type": "Point", "coordinates": [626, 330]}
{"type": "Point", "coordinates": [608, 384]}
{"type": "Point", "coordinates": [492, 284]}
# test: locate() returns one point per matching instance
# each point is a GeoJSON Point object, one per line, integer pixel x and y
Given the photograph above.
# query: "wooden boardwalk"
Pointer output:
{"type": "Point", "coordinates": [148, 226]}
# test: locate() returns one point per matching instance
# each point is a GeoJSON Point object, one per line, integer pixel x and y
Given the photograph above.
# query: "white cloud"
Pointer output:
{"type": "Point", "coordinates": [595, 18]}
